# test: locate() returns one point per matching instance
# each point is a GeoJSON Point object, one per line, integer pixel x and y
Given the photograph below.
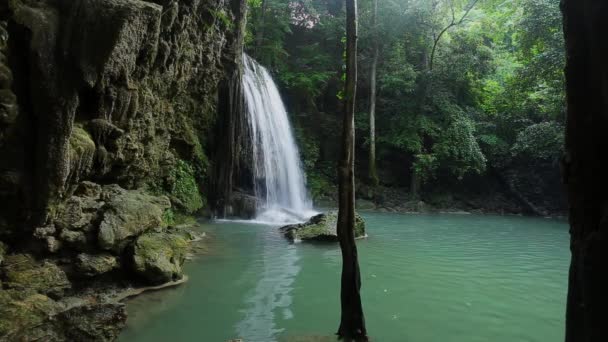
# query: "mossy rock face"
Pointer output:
{"type": "Point", "coordinates": [158, 257]}
{"type": "Point", "coordinates": [129, 214]}
{"type": "Point", "coordinates": [93, 265]}
{"type": "Point", "coordinates": [184, 191]}
{"type": "Point", "coordinates": [322, 227]}
{"type": "Point", "coordinates": [81, 153]}
{"type": "Point", "coordinates": [21, 313]}
{"type": "Point", "coordinates": [30, 316]}
{"type": "Point", "coordinates": [23, 272]}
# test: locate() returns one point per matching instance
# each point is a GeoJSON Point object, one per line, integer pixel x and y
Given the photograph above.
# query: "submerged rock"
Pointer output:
{"type": "Point", "coordinates": [322, 227]}
{"type": "Point", "coordinates": [158, 257]}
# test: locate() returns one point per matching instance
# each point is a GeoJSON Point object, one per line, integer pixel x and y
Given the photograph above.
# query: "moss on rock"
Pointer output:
{"type": "Point", "coordinates": [93, 265]}
{"type": "Point", "coordinates": [129, 214]}
{"type": "Point", "coordinates": [22, 311]}
{"type": "Point", "coordinates": [23, 272]}
{"type": "Point", "coordinates": [322, 227]}
{"type": "Point", "coordinates": [158, 257]}
{"type": "Point", "coordinates": [185, 191]}
{"type": "Point", "coordinates": [81, 152]}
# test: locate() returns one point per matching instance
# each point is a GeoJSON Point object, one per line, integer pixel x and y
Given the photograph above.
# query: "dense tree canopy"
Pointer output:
{"type": "Point", "coordinates": [463, 86]}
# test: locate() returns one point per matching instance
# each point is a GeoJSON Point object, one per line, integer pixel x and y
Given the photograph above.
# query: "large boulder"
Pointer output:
{"type": "Point", "coordinates": [243, 205]}
{"type": "Point", "coordinates": [30, 316]}
{"type": "Point", "coordinates": [23, 314]}
{"type": "Point", "coordinates": [322, 227]}
{"type": "Point", "coordinates": [158, 257]}
{"type": "Point", "coordinates": [129, 214]}
{"type": "Point", "coordinates": [93, 265]}
{"type": "Point", "coordinates": [23, 272]}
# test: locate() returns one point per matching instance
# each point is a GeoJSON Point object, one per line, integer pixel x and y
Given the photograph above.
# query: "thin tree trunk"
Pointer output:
{"type": "Point", "coordinates": [584, 168]}
{"type": "Point", "coordinates": [414, 184]}
{"type": "Point", "coordinates": [373, 172]}
{"type": "Point", "coordinates": [259, 38]}
{"type": "Point", "coordinates": [352, 322]}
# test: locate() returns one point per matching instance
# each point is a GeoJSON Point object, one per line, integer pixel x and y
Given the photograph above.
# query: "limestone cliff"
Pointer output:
{"type": "Point", "coordinates": [114, 116]}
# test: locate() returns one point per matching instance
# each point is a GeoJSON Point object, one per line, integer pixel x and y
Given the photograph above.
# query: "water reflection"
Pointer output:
{"type": "Point", "coordinates": [271, 296]}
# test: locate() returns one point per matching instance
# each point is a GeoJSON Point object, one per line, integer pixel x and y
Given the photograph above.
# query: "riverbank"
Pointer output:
{"type": "Point", "coordinates": [398, 200]}
{"type": "Point", "coordinates": [105, 244]}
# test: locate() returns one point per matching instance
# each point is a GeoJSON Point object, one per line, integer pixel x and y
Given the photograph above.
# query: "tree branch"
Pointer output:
{"type": "Point", "coordinates": [449, 26]}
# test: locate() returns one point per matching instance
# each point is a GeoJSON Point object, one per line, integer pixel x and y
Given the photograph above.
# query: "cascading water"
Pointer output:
{"type": "Point", "coordinates": [278, 177]}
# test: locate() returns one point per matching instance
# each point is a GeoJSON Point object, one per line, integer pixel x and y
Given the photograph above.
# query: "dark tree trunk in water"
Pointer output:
{"type": "Point", "coordinates": [373, 172]}
{"type": "Point", "coordinates": [352, 322]}
{"type": "Point", "coordinates": [585, 170]}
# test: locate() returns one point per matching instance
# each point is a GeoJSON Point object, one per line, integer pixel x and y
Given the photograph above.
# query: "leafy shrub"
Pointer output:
{"type": "Point", "coordinates": [540, 141]}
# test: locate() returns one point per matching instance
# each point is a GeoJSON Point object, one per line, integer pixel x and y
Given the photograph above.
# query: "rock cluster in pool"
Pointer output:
{"type": "Point", "coordinates": [101, 234]}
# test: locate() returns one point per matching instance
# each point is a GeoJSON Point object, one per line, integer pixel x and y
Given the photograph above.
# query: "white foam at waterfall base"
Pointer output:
{"type": "Point", "coordinates": [277, 171]}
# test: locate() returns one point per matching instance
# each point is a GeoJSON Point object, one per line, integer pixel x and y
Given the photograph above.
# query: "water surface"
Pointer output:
{"type": "Point", "coordinates": [425, 278]}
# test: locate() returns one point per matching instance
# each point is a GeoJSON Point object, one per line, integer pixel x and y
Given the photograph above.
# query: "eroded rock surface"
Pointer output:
{"type": "Point", "coordinates": [158, 257]}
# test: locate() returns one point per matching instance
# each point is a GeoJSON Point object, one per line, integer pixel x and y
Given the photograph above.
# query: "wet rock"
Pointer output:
{"type": "Point", "coordinates": [93, 265]}
{"type": "Point", "coordinates": [321, 227]}
{"type": "Point", "coordinates": [158, 257]}
{"type": "Point", "coordinates": [243, 205]}
{"type": "Point", "coordinates": [23, 272]}
{"type": "Point", "coordinates": [128, 215]}
{"type": "Point", "coordinates": [93, 322]}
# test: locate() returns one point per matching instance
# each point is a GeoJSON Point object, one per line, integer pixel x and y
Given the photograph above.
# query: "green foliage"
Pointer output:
{"type": "Point", "coordinates": [168, 218]}
{"type": "Point", "coordinates": [223, 18]}
{"type": "Point", "coordinates": [540, 141]}
{"type": "Point", "coordinates": [185, 188]}
{"type": "Point", "coordinates": [458, 149]}
{"type": "Point", "coordinates": [494, 95]}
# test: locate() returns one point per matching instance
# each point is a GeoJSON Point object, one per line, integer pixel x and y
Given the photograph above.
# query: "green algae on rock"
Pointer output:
{"type": "Point", "coordinates": [158, 257]}
{"type": "Point", "coordinates": [321, 227]}
{"type": "Point", "coordinates": [128, 215]}
{"type": "Point", "coordinates": [23, 272]}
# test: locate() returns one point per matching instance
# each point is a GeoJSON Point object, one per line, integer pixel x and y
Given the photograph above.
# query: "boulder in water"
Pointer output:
{"type": "Point", "coordinates": [321, 227]}
{"type": "Point", "coordinates": [243, 205]}
{"type": "Point", "coordinates": [158, 257]}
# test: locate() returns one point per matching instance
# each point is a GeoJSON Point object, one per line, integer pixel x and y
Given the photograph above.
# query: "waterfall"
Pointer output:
{"type": "Point", "coordinates": [278, 176]}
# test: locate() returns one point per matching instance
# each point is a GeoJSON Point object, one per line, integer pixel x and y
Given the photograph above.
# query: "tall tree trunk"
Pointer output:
{"type": "Point", "coordinates": [352, 322]}
{"type": "Point", "coordinates": [373, 172]}
{"type": "Point", "coordinates": [414, 184]}
{"type": "Point", "coordinates": [259, 37]}
{"type": "Point", "coordinates": [584, 168]}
